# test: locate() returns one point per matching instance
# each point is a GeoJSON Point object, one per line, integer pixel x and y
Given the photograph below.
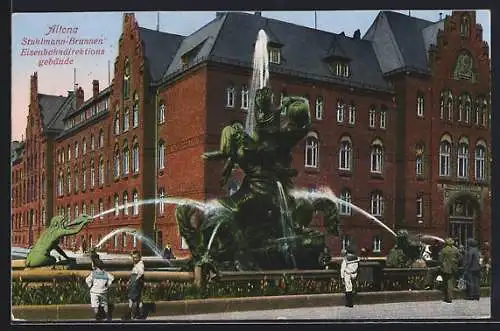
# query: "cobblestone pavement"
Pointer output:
{"type": "Point", "coordinates": [459, 309]}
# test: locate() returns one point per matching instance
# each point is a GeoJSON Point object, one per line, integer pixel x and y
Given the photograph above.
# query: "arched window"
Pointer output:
{"type": "Point", "coordinates": [463, 159]}
{"type": "Point", "coordinates": [84, 208]}
{"type": "Point", "coordinates": [345, 153]}
{"type": "Point", "coordinates": [117, 121]}
{"type": "Point", "coordinates": [420, 105]}
{"type": "Point", "coordinates": [60, 184]}
{"type": "Point", "coordinates": [340, 111]}
{"type": "Point", "coordinates": [372, 116]}
{"type": "Point", "coordinates": [92, 174]}
{"type": "Point", "coordinates": [135, 200]}
{"type": "Point", "coordinates": [161, 208]}
{"type": "Point", "coordinates": [442, 102]}
{"type": "Point", "coordinates": [486, 113]}
{"type": "Point", "coordinates": [319, 108]}
{"type": "Point", "coordinates": [124, 240]}
{"type": "Point", "coordinates": [468, 108]}
{"type": "Point", "coordinates": [161, 113]}
{"type": "Point", "coordinates": [92, 142]}
{"type": "Point", "coordinates": [68, 177]}
{"type": "Point", "coordinates": [125, 203]}
{"type": "Point", "coordinates": [445, 156]}
{"type": "Point", "coordinates": [161, 155]}
{"type": "Point", "coordinates": [116, 162]}
{"type": "Point", "coordinates": [377, 204]}
{"type": "Point", "coordinates": [126, 159]}
{"type": "Point", "coordinates": [84, 146]}
{"type": "Point", "coordinates": [244, 97]}
{"type": "Point", "coordinates": [312, 151]}
{"type": "Point", "coordinates": [449, 105]}
{"type": "Point", "coordinates": [76, 149]}
{"type": "Point", "coordinates": [480, 161]}
{"type": "Point", "coordinates": [460, 110]}
{"type": "Point", "coordinates": [69, 154]}
{"type": "Point", "coordinates": [477, 111]}
{"type": "Point", "coordinates": [101, 138]}
{"type": "Point", "coordinates": [352, 113]}
{"type": "Point", "coordinates": [345, 209]}
{"type": "Point", "coordinates": [126, 119]}
{"type": "Point", "coordinates": [101, 171]}
{"type": "Point", "coordinates": [135, 111]}
{"type": "Point", "coordinates": [464, 26]}
{"type": "Point", "coordinates": [230, 96]}
{"type": "Point", "coordinates": [383, 116]}
{"type": "Point", "coordinates": [126, 79]}
{"type": "Point", "coordinates": [419, 160]}
{"type": "Point", "coordinates": [76, 180]}
{"type": "Point", "coordinates": [101, 209]}
{"type": "Point", "coordinates": [77, 212]}
{"type": "Point", "coordinates": [117, 204]}
{"type": "Point", "coordinates": [135, 157]}
{"type": "Point", "coordinates": [92, 208]}
{"type": "Point", "coordinates": [377, 157]}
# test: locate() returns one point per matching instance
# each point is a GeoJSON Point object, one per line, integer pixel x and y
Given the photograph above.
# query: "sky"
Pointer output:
{"type": "Point", "coordinates": [58, 79]}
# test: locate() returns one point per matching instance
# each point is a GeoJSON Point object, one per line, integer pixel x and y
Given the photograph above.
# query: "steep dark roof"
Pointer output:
{"type": "Point", "coordinates": [401, 41]}
{"type": "Point", "coordinates": [49, 106]}
{"type": "Point", "coordinates": [90, 101]}
{"type": "Point", "coordinates": [57, 124]}
{"type": "Point", "coordinates": [160, 48]}
{"type": "Point", "coordinates": [303, 50]}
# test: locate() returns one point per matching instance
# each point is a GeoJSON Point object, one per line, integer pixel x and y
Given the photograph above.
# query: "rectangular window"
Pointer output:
{"type": "Point", "coordinates": [419, 167]}
{"type": "Point", "coordinates": [274, 55]}
{"type": "Point", "coordinates": [372, 115]}
{"type": "Point", "coordinates": [420, 206]}
{"type": "Point", "coordinates": [377, 244]}
{"type": "Point", "coordinates": [340, 112]}
{"type": "Point", "coordinates": [345, 242]}
{"type": "Point", "coordinates": [352, 114]}
{"type": "Point", "coordinates": [230, 97]}
{"type": "Point", "coordinates": [244, 97]}
{"type": "Point", "coordinates": [420, 106]}
{"type": "Point", "coordinates": [382, 119]}
{"type": "Point", "coordinates": [319, 108]}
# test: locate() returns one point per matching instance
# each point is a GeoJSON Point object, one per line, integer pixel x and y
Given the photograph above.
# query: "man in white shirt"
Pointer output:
{"type": "Point", "coordinates": [99, 281]}
{"type": "Point", "coordinates": [136, 285]}
{"type": "Point", "coordinates": [348, 273]}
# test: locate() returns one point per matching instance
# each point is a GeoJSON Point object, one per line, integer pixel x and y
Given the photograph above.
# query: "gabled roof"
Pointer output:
{"type": "Point", "coordinates": [57, 124]}
{"type": "Point", "coordinates": [159, 50]}
{"type": "Point", "coordinates": [303, 50]}
{"type": "Point", "coordinates": [336, 50]}
{"type": "Point", "coordinates": [49, 106]}
{"type": "Point", "coordinates": [401, 41]}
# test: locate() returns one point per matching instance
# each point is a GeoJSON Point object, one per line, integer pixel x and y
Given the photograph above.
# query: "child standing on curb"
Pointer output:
{"type": "Point", "coordinates": [99, 281]}
{"type": "Point", "coordinates": [136, 283]}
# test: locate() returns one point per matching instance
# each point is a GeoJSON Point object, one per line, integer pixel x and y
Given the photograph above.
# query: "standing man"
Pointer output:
{"type": "Point", "coordinates": [348, 273]}
{"type": "Point", "coordinates": [448, 266]}
{"type": "Point", "coordinates": [472, 270]}
{"type": "Point", "coordinates": [136, 284]}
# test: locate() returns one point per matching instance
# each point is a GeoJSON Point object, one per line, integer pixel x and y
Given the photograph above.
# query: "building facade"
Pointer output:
{"type": "Point", "coordinates": [401, 128]}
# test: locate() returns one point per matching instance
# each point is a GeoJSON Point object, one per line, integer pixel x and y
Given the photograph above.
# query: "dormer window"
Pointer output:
{"type": "Point", "coordinates": [274, 55]}
{"type": "Point", "coordinates": [342, 69]}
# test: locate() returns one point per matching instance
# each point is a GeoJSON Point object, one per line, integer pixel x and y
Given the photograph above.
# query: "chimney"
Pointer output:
{"type": "Point", "coordinates": [95, 88]}
{"type": "Point", "coordinates": [79, 97]}
{"type": "Point", "coordinates": [258, 13]}
{"type": "Point", "coordinates": [357, 34]}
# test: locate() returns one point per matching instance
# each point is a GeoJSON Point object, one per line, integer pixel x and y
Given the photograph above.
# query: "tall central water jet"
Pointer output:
{"type": "Point", "coordinates": [260, 78]}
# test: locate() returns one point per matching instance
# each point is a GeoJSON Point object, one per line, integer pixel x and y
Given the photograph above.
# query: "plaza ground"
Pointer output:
{"type": "Point", "coordinates": [458, 309]}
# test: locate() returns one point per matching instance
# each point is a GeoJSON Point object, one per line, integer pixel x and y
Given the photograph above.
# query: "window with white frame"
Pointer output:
{"type": "Point", "coordinates": [161, 113]}
{"type": "Point", "coordinates": [135, 111]}
{"type": "Point", "coordinates": [274, 55]}
{"type": "Point", "coordinates": [162, 204]}
{"type": "Point", "coordinates": [486, 113]}
{"type": "Point", "coordinates": [377, 157]}
{"type": "Point", "coordinates": [115, 241]}
{"type": "Point", "coordinates": [101, 171]}
{"type": "Point", "coordinates": [101, 138]}
{"type": "Point", "coordinates": [126, 160]}
{"type": "Point", "coordinates": [345, 208]}
{"type": "Point", "coordinates": [480, 157]}
{"type": "Point", "coordinates": [319, 108]}
{"type": "Point", "coordinates": [76, 181]}
{"type": "Point", "coordinates": [477, 112]}
{"type": "Point", "coordinates": [444, 158]}
{"type": "Point", "coordinates": [68, 177]}
{"type": "Point", "coordinates": [161, 155]}
{"type": "Point", "coordinates": [383, 115]}
{"type": "Point", "coordinates": [462, 160]}
{"type": "Point", "coordinates": [312, 152]}
{"type": "Point", "coordinates": [441, 105]}
{"type": "Point", "coordinates": [244, 97]}
{"type": "Point", "coordinates": [92, 174]}
{"type": "Point", "coordinates": [135, 158]}
{"type": "Point", "coordinates": [76, 149]}
{"type": "Point", "coordinates": [345, 154]}
{"type": "Point", "coordinates": [84, 146]}
{"type": "Point", "coordinates": [460, 109]}
{"type": "Point", "coordinates": [116, 163]}
{"type": "Point", "coordinates": [125, 203]}
{"type": "Point", "coordinates": [420, 105]}
{"type": "Point", "coordinates": [84, 208]}
{"type": "Point", "coordinates": [371, 117]}
{"type": "Point", "coordinates": [449, 106]}
{"type": "Point", "coordinates": [77, 212]}
{"type": "Point", "coordinates": [377, 204]}
{"type": "Point", "coordinates": [92, 142]}
{"type": "Point", "coordinates": [135, 200]}
{"type": "Point", "coordinates": [117, 203]}
{"type": "Point", "coordinates": [376, 244]}
{"type": "Point", "coordinates": [345, 242]}
{"type": "Point", "coordinates": [419, 160]}
{"type": "Point", "coordinates": [117, 122]}
{"type": "Point", "coordinates": [468, 108]}
{"type": "Point", "coordinates": [420, 206]}
{"type": "Point", "coordinates": [352, 113]}
{"type": "Point", "coordinates": [230, 96]}
{"type": "Point", "coordinates": [60, 184]}
{"type": "Point", "coordinates": [101, 209]}
{"type": "Point", "coordinates": [340, 111]}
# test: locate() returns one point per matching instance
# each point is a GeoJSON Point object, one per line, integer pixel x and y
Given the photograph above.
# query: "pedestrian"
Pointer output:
{"type": "Point", "coordinates": [472, 270]}
{"type": "Point", "coordinates": [99, 281]}
{"type": "Point", "coordinates": [135, 286]}
{"type": "Point", "coordinates": [348, 273]}
{"type": "Point", "coordinates": [448, 267]}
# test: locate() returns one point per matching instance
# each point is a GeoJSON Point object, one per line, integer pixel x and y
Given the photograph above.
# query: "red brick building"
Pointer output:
{"type": "Point", "coordinates": [401, 127]}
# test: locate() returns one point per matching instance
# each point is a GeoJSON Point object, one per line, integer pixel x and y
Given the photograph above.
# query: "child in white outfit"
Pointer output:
{"type": "Point", "coordinates": [99, 281]}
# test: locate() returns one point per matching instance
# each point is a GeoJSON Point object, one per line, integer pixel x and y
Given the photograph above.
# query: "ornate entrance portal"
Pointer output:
{"type": "Point", "coordinates": [462, 215]}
